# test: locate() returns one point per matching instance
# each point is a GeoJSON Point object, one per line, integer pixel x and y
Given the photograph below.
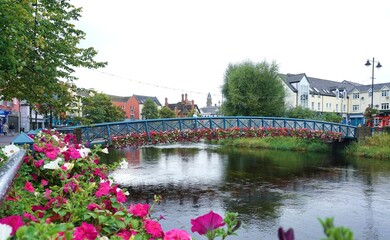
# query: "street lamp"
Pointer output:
{"type": "Point", "coordinates": [368, 63]}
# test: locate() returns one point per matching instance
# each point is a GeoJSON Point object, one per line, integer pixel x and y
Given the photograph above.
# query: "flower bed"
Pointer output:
{"type": "Point", "coordinates": [188, 135]}
{"type": "Point", "coordinates": [62, 192]}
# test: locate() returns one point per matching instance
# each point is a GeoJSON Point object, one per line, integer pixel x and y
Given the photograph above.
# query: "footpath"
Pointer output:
{"type": "Point", "coordinates": [6, 140]}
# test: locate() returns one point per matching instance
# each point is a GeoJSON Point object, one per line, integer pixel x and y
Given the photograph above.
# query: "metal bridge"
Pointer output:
{"type": "Point", "coordinates": [103, 132]}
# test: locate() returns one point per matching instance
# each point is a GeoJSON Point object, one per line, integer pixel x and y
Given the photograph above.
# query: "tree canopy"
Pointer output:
{"type": "Point", "coordinates": [40, 48]}
{"type": "Point", "coordinates": [166, 112]}
{"type": "Point", "coordinates": [253, 89]}
{"type": "Point", "coordinates": [98, 108]}
{"type": "Point", "coordinates": [149, 110]}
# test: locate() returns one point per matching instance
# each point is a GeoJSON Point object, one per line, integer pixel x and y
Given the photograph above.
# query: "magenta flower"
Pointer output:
{"type": "Point", "coordinates": [93, 206]}
{"type": "Point", "coordinates": [120, 196]}
{"type": "Point", "coordinates": [176, 234]}
{"type": "Point", "coordinates": [125, 235]}
{"type": "Point", "coordinates": [85, 231]}
{"type": "Point", "coordinates": [39, 163]}
{"type": "Point", "coordinates": [139, 210]}
{"type": "Point", "coordinates": [153, 228]}
{"type": "Point", "coordinates": [13, 221]}
{"type": "Point", "coordinates": [44, 182]}
{"type": "Point", "coordinates": [207, 222]}
{"type": "Point", "coordinates": [30, 216]}
{"type": "Point", "coordinates": [28, 187]}
{"type": "Point", "coordinates": [104, 189]}
{"type": "Point", "coordinates": [288, 235]}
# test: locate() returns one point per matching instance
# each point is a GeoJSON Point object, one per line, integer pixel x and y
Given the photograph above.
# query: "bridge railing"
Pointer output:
{"type": "Point", "coordinates": [104, 131]}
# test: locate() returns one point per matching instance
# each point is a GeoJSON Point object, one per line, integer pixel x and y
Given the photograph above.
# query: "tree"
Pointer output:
{"type": "Point", "coordinates": [253, 90]}
{"type": "Point", "coordinates": [300, 112]}
{"type": "Point", "coordinates": [331, 117]}
{"type": "Point", "coordinates": [40, 48]}
{"type": "Point", "coordinates": [149, 110]}
{"type": "Point", "coordinates": [98, 108]}
{"type": "Point", "coordinates": [166, 112]}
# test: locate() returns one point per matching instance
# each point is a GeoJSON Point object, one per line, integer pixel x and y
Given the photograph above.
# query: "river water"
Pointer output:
{"type": "Point", "coordinates": [267, 188]}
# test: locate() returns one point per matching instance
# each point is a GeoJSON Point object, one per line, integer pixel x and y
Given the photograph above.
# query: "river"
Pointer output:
{"type": "Point", "coordinates": [267, 188]}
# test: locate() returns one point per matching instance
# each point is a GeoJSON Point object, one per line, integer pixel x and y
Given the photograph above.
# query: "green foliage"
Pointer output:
{"type": "Point", "coordinates": [335, 233]}
{"type": "Point", "coordinates": [253, 89]}
{"type": "Point", "coordinates": [39, 47]}
{"type": "Point", "coordinates": [149, 110]}
{"type": "Point", "coordinates": [99, 108]}
{"type": "Point", "coordinates": [376, 146]}
{"type": "Point", "coordinates": [166, 112]}
{"type": "Point", "coordinates": [45, 231]}
{"type": "Point", "coordinates": [300, 112]}
{"type": "Point", "coordinates": [331, 117]}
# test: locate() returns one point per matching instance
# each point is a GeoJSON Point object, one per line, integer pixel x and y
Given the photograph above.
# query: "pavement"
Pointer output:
{"type": "Point", "coordinates": [7, 140]}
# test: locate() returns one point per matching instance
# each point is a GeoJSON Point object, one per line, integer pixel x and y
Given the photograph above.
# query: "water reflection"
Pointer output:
{"type": "Point", "coordinates": [267, 188]}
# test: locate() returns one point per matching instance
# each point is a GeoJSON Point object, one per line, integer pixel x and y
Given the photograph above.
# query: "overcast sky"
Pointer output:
{"type": "Point", "coordinates": [164, 48]}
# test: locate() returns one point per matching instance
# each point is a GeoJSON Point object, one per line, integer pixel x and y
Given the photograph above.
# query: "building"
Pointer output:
{"type": "Point", "coordinates": [346, 98]}
{"type": "Point", "coordinates": [132, 106]}
{"type": "Point", "coordinates": [210, 110]}
{"type": "Point", "coordinates": [184, 108]}
{"type": "Point", "coordinates": [10, 113]}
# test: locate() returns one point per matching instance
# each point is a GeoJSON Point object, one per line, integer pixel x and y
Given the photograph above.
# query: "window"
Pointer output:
{"type": "Point", "coordinates": [385, 106]}
{"type": "Point", "coordinates": [132, 108]}
{"type": "Point", "coordinates": [344, 108]}
{"type": "Point", "coordinates": [369, 93]}
{"type": "Point", "coordinates": [312, 105]}
{"type": "Point", "coordinates": [355, 108]}
{"type": "Point", "coordinates": [355, 96]}
{"type": "Point", "coordinates": [337, 107]}
{"type": "Point", "coordinates": [8, 104]}
{"type": "Point", "coordinates": [319, 107]}
{"type": "Point", "coordinates": [385, 93]}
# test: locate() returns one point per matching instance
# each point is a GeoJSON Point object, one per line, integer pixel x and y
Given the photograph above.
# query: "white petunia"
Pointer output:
{"type": "Point", "coordinates": [124, 164]}
{"type": "Point", "coordinates": [53, 164]}
{"type": "Point", "coordinates": [10, 149]}
{"type": "Point", "coordinates": [104, 150]}
{"type": "Point", "coordinates": [5, 231]}
{"type": "Point", "coordinates": [55, 138]}
{"type": "Point", "coordinates": [69, 166]}
{"type": "Point", "coordinates": [64, 149]}
{"type": "Point", "coordinates": [84, 152]}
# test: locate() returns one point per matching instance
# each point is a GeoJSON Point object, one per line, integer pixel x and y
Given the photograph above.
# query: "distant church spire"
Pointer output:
{"type": "Point", "coordinates": [209, 101]}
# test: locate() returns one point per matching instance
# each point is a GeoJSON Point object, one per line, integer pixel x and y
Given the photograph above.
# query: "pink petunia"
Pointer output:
{"type": "Point", "coordinates": [44, 182]}
{"type": "Point", "coordinates": [207, 222]}
{"type": "Point", "coordinates": [125, 235]}
{"type": "Point", "coordinates": [37, 148]}
{"type": "Point", "coordinates": [93, 206]}
{"type": "Point", "coordinates": [28, 187]}
{"type": "Point", "coordinates": [104, 189]}
{"type": "Point", "coordinates": [13, 221]}
{"type": "Point", "coordinates": [176, 234]}
{"type": "Point", "coordinates": [39, 163]}
{"type": "Point", "coordinates": [47, 193]}
{"type": "Point", "coordinates": [139, 210]}
{"type": "Point", "coordinates": [153, 228]}
{"type": "Point", "coordinates": [120, 196]}
{"type": "Point", "coordinates": [31, 217]}
{"type": "Point", "coordinates": [85, 231]}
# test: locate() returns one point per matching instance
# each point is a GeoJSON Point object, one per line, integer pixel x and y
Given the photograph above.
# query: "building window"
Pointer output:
{"type": "Point", "coordinates": [385, 93]}
{"type": "Point", "coordinates": [369, 93]}
{"type": "Point", "coordinates": [8, 104]}
{"type": "Point", "coordinates": [344, 108]}
{"type": "Point", "coordinates": [355, 96]}
{"type": "Point", "coordinates": [312, 105]}
{"type": "Point", "coordinates": [132, 108]}
{"type": "Point", "coordinates": [385, 106]}
{"type": "Point", "coordinates": [319, 107]}
{"type": "Point", "coordinates": [355, 108]}
{"type": "Point", "coordinates": [337, 107]}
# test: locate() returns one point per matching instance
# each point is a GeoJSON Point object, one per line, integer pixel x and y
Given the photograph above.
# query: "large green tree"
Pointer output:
{"type": "Point", "coordinates": [39, 47]}
{"type": "Point", "coordinates": [166, 112]}
{"type": "Point", "coordinates": [253, 89]}
{"type": "Point", "coordinates": [149, 110]}
{"type": "Point", "coordinates": [98, 108]}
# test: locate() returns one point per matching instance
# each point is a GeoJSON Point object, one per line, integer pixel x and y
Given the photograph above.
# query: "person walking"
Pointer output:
{"type": "Point", "coordinates": [5, 128]}
{"type": "Point", "coordinates": [12, 129]}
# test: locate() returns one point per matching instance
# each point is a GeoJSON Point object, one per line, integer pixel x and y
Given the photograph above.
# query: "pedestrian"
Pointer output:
{"type": "Point", "coordinates": [5, 128]}
{"type": "Point", "coordinates": [12, 129]}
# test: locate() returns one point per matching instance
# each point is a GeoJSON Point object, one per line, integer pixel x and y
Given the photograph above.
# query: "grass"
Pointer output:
{"type": "Point", "coordinates": [278, 143]}
{"type": "Point", "coordinates": [377, 146]}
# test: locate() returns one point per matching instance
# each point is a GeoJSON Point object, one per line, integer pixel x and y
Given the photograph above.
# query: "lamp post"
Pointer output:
{"type": "Point", "coordinates": [368, 63]}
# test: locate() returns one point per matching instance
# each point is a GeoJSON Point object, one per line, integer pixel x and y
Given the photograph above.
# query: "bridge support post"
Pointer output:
{"type": "Point", "coordinates": [77, 133]}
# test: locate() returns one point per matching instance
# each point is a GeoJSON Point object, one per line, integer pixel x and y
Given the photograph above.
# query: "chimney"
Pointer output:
{"type": "Point", "coordinates": [186, 100]}
{"type": "Point", "coordinates": [166, 102]}
{"type": "Point", "coordinates": [182, 98]}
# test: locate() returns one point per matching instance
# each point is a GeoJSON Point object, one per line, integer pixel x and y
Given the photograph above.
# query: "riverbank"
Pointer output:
{"type": "Point", "coordinates": [279, 143]}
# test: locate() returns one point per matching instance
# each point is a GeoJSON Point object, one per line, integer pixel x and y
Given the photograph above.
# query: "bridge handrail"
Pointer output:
{"type": "Point", "coordinates": [107, 130]}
